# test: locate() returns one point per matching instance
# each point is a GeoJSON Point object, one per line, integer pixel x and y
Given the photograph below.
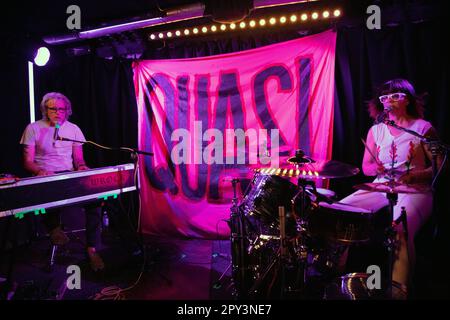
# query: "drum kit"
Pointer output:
{"type": "Point", "coordinates": [290, 240]}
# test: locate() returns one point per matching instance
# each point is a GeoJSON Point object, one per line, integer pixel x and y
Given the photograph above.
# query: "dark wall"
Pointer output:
{"type": "Point", "coordinates": [14, 111]}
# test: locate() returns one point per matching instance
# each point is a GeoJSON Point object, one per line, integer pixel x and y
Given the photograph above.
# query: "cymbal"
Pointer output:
{"type": "Point", "coordinates": [326, 169]}
{"type": "Point", "coordinates": [393, 187]}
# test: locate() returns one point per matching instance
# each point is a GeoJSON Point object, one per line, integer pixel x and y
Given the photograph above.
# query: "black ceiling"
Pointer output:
{"type": "Point", "coordinates": [49, 17]}
{"type": "Point", "coordinates": [31, 21]}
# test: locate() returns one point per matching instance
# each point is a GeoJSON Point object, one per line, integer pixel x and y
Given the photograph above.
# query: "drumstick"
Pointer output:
{"type": "Point", "coordinates": [370, 152]}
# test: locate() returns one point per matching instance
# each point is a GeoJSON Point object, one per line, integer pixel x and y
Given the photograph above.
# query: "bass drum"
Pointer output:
{"type": "Point", "coordinates": [344, 223]}
{"type": "Point", "coordinates": [260, 204]}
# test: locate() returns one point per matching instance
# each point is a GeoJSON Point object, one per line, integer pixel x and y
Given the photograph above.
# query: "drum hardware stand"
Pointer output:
{"type": "Point", "coordinates": [283, 249]}
{"type": "Point", "coordinates": [254, 289]}
{"type": "Point", "coordinates": [302, 227]}
{"type": "Point", "coordinates": [403, 219]}
{"type": "Point", "coordinates": [281, 259]}
{"type": "Point", "coordinates": [238, 255]}
{"type": "Point", "coordinates": [301, 245]}
{"type": "Point", "coordinates": [391, 241]}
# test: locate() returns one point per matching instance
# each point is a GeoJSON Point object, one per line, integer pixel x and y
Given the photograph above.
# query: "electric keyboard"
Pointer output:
{"type": "Point", "coordinates": [36, 194]}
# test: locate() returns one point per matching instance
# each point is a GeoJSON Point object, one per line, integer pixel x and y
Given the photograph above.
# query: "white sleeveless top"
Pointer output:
{"type": "Point", "coordinates": [401, 152]}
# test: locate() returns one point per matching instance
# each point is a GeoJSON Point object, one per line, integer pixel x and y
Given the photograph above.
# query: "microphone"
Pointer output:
{"type": "Point", "coordinates": [55, 135]}
{"type": "Point", "coordinates": [383, 115]}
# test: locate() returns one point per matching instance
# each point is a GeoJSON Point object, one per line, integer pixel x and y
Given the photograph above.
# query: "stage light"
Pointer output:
{"type": "Point", "coordinates": [31, 91]}
{"type": "Point", "coordinates": [42, 56]}
{"type": "Point", "coordinates": [243, 24]}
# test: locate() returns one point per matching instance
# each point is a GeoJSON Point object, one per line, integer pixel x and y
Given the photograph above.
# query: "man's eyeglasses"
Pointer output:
{"type": "Point", "coordinates": [54, 110]}
{"type": "Point", "coordinates": [393, 96]}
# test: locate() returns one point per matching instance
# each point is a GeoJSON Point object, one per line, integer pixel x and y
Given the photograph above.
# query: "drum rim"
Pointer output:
{"type": "Point", "coordinates": [351, 275]}
{"type": "Point", "coordinates": [326, 205]}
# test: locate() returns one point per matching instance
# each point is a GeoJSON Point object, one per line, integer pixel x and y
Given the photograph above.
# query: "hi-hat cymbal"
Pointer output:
{"type": "Point", "coordinates": [300, 158]}
{"type": "Point", "coordinates": [327, 169]}
{"type": "Point", "coordinates": [393, 187]}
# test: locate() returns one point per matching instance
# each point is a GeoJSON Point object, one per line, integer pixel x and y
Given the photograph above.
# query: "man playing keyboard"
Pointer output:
{"type": "Point", "coordinates": [44, 154]}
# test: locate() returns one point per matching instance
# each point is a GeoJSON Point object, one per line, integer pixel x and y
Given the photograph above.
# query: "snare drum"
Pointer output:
{"type": "Point", "coordinates": [340, 222]}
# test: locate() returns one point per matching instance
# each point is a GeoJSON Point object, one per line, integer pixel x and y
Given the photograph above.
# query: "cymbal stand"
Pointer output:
{"type": "Point", "coordinates": [283, 249]}
{"type": "Point", "coordinates": [238, 254]}
{"type": "Point", "coordinates": [302, 227]}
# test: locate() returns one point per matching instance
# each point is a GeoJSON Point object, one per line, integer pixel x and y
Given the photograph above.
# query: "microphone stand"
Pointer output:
{"type": "Point", "coordinates": [123, 149]}
{"type": "Point", "coordinates": [134, 156]}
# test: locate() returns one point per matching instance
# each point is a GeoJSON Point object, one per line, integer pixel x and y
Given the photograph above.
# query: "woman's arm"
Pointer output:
{"type": "Point", "coordinates": [371, 166]}
{"type": "Point", "coordinates": [423, 176]}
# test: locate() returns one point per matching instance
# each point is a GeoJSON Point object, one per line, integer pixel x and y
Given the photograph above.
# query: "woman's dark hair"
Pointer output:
{"type": "Point", "coordinates": [415, 107]}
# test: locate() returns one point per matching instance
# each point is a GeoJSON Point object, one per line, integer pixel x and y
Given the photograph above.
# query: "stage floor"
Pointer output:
{"type": "Point", "coordinates": [174, 269]}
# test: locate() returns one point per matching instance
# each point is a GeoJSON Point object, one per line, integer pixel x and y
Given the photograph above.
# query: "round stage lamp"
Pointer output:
{"type": "Point", "coordinates": [42, 56]}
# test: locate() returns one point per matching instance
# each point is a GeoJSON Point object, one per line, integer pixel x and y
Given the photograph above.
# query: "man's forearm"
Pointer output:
{"type": "Point", "coordinates": [31, 167]}
{"type": "Point", "coordinates": [79, 163]}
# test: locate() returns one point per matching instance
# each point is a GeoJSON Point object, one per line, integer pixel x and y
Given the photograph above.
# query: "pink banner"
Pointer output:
{"type": "Point", "coordinates": [213, 118]}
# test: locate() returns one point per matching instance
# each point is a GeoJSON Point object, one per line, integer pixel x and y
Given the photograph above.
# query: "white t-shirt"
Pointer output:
{"type": "Point", "coordinates": [52, 155]}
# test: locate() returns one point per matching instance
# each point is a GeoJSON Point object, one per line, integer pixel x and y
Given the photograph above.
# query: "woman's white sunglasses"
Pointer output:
{"type": "Point", "coordinates": [393, 96]}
